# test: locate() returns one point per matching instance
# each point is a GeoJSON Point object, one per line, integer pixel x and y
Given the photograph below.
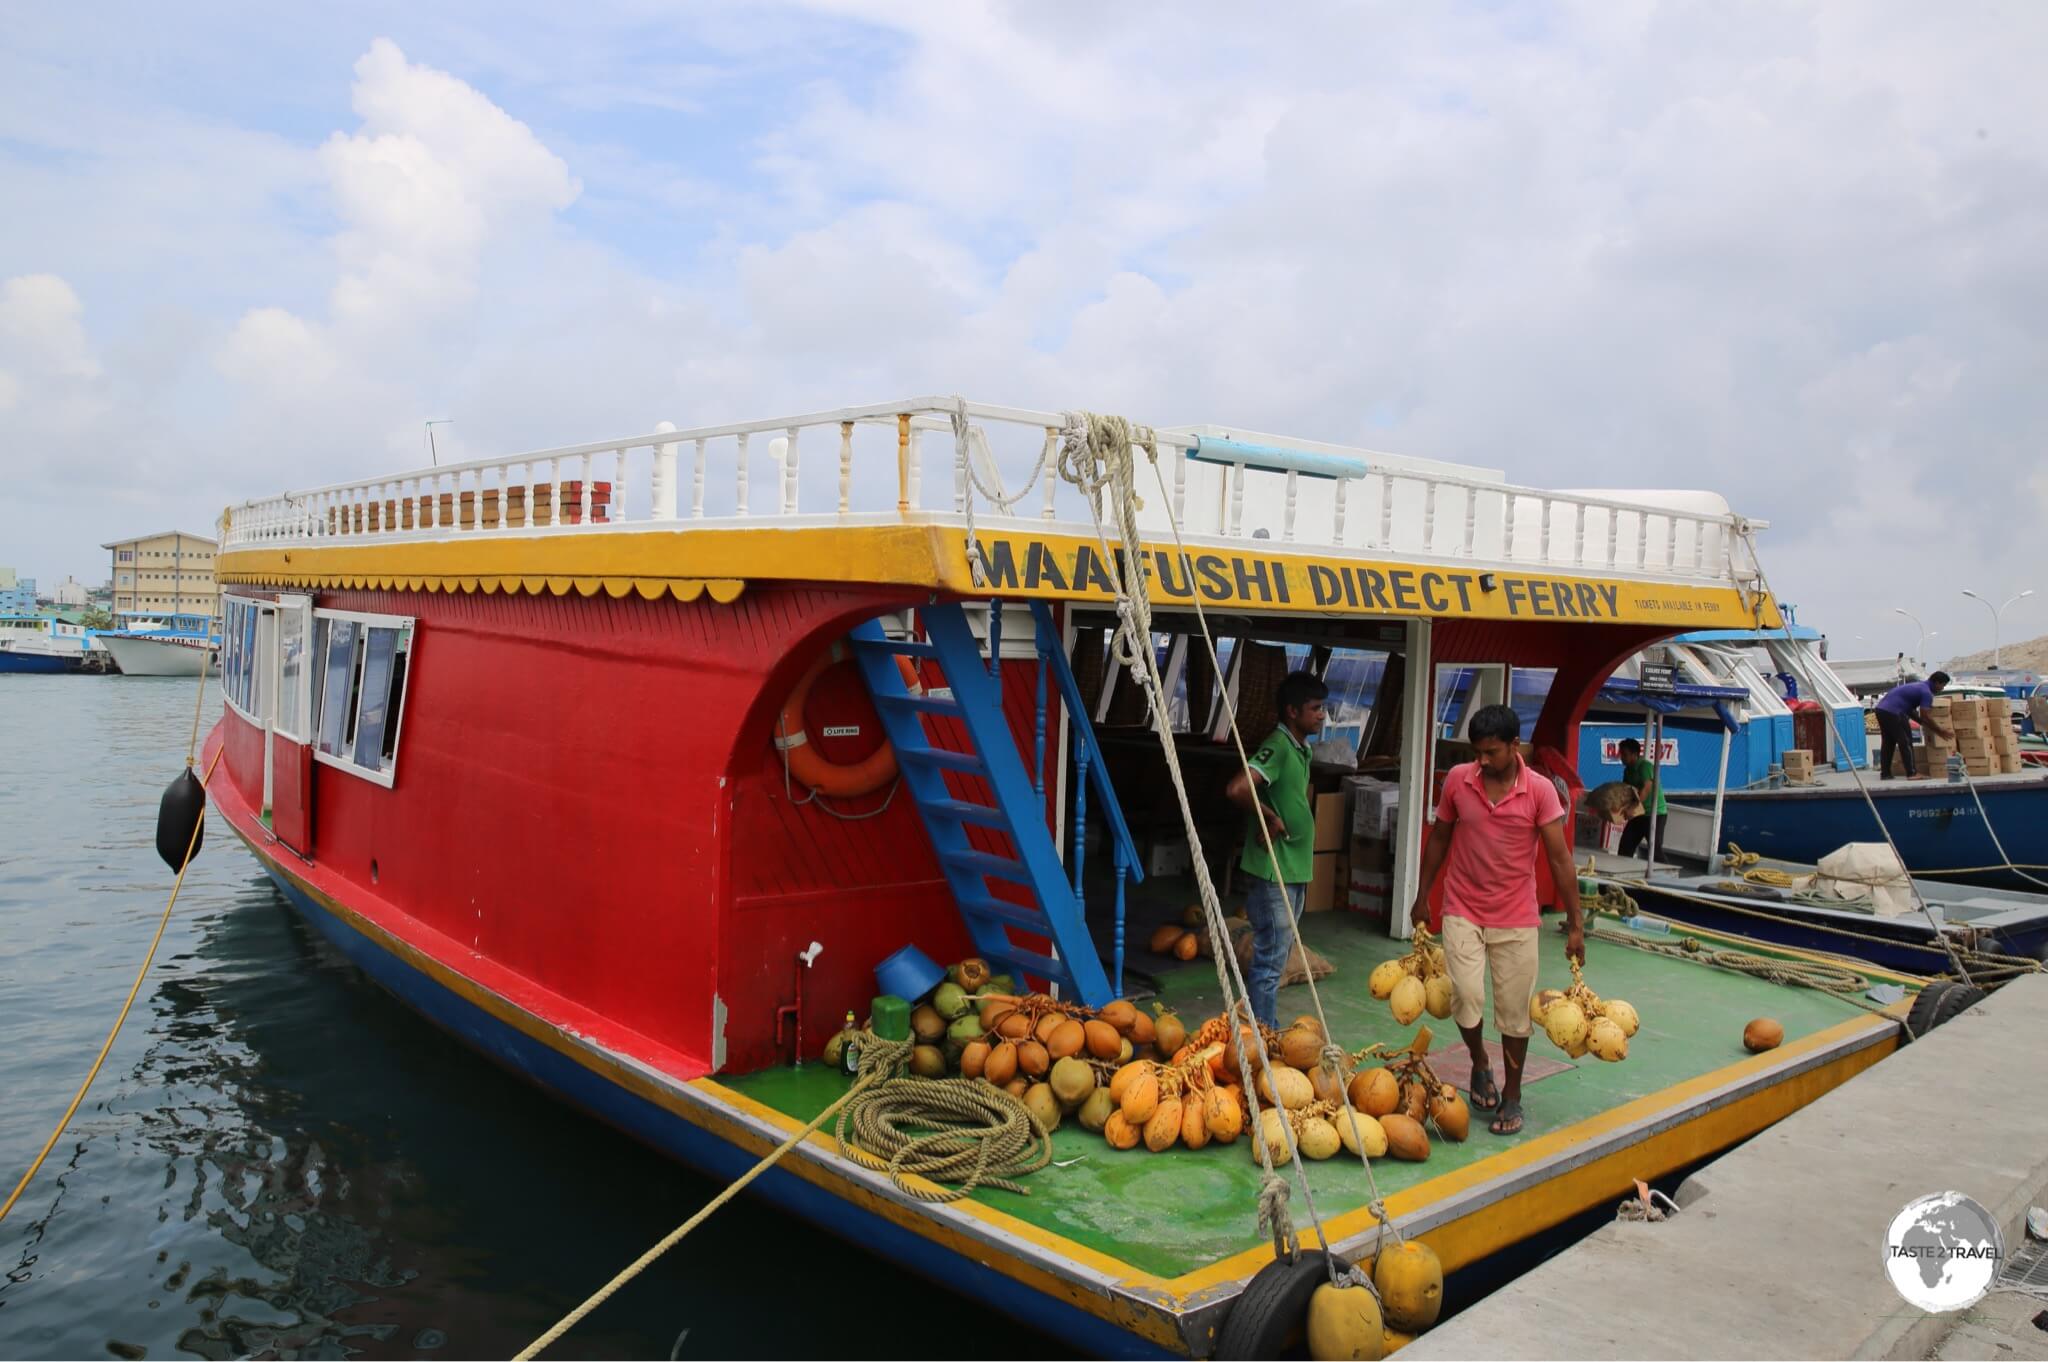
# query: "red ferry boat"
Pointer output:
{"type": "Point", "coordinates": [628, 763]}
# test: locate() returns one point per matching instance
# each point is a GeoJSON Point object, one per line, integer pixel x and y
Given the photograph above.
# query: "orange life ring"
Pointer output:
{"type": "Point", "coordinates": [807, 764]}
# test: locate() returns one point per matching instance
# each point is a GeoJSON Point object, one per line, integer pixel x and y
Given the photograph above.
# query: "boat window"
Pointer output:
{"type": "Point", "coordinates": [361, 663]}
{"type": "Point", "coordinates": [294, 718]}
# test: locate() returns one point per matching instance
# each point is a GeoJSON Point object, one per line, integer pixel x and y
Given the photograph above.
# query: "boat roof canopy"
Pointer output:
{"type": "Point", "coordinates": [1683, 698]}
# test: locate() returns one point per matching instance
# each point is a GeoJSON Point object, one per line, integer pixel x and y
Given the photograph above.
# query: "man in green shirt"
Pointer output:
{"type": "Point", "coordinates": [1278, 805]}
{"type": "Point", "coordinates": [1642, 777]}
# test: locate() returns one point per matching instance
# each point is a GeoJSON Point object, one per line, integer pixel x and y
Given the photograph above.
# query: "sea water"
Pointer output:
{"type": "Point", "coordinates": [280, 1160]}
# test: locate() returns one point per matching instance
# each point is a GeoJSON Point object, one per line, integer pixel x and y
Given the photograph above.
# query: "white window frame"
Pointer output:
{"type": "Point", "coordinates": [408, 628]}
{"type": "Point", "coordinates": [299, 705]}
{"type": "Point", "coordinates": [230, 659]}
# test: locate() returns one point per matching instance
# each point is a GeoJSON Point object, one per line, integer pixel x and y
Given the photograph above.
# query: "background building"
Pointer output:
{"type": "Point", "coordinates": [17, 594]}
{"type": "Point", "coordinates": [70, 593]}
{"type": "Point", "coordinates": [169, 572]}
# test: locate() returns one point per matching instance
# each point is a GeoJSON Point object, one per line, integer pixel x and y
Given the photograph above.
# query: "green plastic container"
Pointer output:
{"type": "Point", "coordinates": [889, 1015]}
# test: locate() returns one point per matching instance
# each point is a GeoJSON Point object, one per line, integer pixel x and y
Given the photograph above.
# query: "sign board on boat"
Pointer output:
{"type": "Point", "coordinates": [1610, 751]}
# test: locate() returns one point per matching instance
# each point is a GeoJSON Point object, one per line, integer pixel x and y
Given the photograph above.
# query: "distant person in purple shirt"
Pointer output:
{"type": "Point", "coordinates": [1901, 705]}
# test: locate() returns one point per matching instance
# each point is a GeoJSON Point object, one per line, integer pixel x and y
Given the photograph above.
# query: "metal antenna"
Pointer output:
{"type": "Point", "coordinates": [432, 452]}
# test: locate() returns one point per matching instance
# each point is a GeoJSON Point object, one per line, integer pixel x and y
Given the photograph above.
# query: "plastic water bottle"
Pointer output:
{"type": "Point", "coordinates": [1647, 924]}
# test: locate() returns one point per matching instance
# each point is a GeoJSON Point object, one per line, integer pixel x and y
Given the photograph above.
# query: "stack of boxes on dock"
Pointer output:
{"type": "Point", "coordinates": [1375, 808]}
{"type": "Point", "coordinates": [1984, 737]}
{"type": "Point", "coordinates": [1798, 763]}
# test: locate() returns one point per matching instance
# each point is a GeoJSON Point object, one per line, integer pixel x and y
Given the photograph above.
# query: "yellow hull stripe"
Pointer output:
{"type": "Point", "coordinates": [1248, 575]}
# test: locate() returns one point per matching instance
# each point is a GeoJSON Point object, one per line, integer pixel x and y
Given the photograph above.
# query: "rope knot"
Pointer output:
{"type": "Point", "coordinates": [1334, 1057]}
{"type": "Point", "coordinates": [1273, 1217]}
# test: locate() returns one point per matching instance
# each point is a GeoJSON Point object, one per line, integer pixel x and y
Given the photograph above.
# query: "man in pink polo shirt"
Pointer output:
{"type": "Point", "coordinates": [1493, 814]}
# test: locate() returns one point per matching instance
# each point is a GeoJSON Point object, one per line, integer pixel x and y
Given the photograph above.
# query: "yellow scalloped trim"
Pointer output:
{"type": "Point", "coordinates": [723, 590]}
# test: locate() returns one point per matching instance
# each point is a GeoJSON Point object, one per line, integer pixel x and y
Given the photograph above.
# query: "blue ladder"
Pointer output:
{"type": "Point", "coordinates": [1055, 909]}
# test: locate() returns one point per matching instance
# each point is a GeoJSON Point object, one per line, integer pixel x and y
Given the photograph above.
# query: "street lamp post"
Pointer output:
{"type": "Point", "coordinates": [1917, 647]}
{"type": "Point", "coordinates": [1997, 614]}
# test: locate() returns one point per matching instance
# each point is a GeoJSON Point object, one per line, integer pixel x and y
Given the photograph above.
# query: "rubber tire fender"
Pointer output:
{"type": "Point", "coordinates": [1270, 1316]}
{"type": "Point", "coordinates": [1940, 1002]}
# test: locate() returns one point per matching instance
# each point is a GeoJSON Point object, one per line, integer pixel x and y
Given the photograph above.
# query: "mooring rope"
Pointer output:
{"type": "Point", "coordinates": [880, 1060]}
{"type": "Point", "coordinates": [121, 1018]}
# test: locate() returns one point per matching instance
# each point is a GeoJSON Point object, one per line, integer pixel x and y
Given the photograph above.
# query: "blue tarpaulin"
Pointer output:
{"type": "Point", "coordinates": [1683, 698]}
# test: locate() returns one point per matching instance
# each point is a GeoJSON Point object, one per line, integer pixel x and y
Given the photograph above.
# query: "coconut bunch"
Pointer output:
{"type": "Point", "coordinates": [1580, 1022]}
{"type": "Point", "coordinates": [1415, 983]}
{"type": "Point", "coordinates": [1406, 1097]}
{"type": "Point", "coordinates": [1191, 938]}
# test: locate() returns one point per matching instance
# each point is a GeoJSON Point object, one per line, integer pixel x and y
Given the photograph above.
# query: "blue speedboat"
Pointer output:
{"type": "Point", "coordinates": [44, 645]}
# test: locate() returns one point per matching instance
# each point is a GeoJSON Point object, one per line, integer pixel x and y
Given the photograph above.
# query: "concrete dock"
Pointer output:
{"type": "Point", "coordinates": [1778, 1250]}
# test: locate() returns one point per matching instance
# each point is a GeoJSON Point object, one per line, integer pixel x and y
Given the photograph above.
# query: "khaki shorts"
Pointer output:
{"type": "Point", "coordinates": [1508, 954]}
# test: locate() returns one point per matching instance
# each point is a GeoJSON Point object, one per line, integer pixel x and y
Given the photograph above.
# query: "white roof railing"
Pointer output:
{"type": "Point", "coordinates": [874, 465]}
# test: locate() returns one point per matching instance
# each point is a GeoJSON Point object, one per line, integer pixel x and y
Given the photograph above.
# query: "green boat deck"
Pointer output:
{"type": "Point", "coordinates": [1173, 1213]}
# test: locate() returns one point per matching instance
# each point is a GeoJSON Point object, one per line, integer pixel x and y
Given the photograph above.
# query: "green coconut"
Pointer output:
{"type": "Point", "coordinates": [927, 1061]}
{"type": "Point", "coordinates": [950, 1000]}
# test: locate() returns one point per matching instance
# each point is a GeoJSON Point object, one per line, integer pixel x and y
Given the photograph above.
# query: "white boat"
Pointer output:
{"type": "Point", "coordinates": [161, 654]}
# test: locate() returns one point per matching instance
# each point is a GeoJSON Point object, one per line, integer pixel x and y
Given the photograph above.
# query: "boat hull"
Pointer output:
{"type": "Point", "coordinates": [664, 1129]}
{"type": "Point", "coordinates": [40, 664]}
{"type": "Point", "coordinates": [158, 656]}
{"type": "Point", "coordinates": [1937, 827]}
{"type": "Point", "coordinates": [1906, 944]}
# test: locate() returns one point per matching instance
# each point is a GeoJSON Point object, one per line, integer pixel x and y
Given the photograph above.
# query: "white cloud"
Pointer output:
{"type": "Point", "coordinates": [1787, 251]}
{"type": "Point", "coordinates": [42, 329]}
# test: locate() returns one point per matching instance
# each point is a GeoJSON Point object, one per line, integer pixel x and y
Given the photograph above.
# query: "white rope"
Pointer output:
{"type": "Point", "coordinates": [963, 446]}
{"type": "Point", "coordinates": [1095, 455]}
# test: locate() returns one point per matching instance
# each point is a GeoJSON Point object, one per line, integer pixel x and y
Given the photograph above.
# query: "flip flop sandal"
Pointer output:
{"type": "Point", "coordinates": [1485, 1095]}
{"type": "Point", "coordinates": [1509, 1121]}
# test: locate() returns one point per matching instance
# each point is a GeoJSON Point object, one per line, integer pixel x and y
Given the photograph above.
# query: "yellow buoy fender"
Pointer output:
{"type": "Point", "coordinates": [1344, 1322]}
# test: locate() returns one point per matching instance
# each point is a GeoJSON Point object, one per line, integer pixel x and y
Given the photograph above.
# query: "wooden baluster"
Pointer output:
{"type": "Point", "coordinates": [845, 467]}
{"type": "Point", "coordinates": [1642, 541]}
{"type": "Point", "coordinates": [1337, 524]}
{"type": "Point", "coordinates": [554, 494]}
{"type": "Point", "coordinates": [1429, 515]}
{"type": "Point", "coordinates": [1578, 534]}
{"type": "Point", "coordinates": [1293, 491]}
{"type": "Point", "coordinates": [1543, 532]}
{"type": "Point", "coordinates": [1386, 513]}
{"type": "Point", "coordinates": [1236, 500]}
{"type": "Point", "coordinates": [1472, 523]}
{"type": "Point", "coordinates": [1671, 543]}
{"type": "Point", "coordinates": [740, 508]}
{"type": "Point", "coordinates": [1123, 871]}
{"type": "Point", "coordinates": [995, 647]}
{"type": "Point", "coordinates": [960, 457]}
{"type": "Point", "coordinates": [1180, 488]}
{"type": "Point", "coordinates": [903, 463]}
{"type": "Point", "coordinates": [1038, 745]}
{"type": "Point", "coordinates": [1078, 830]}
{"type": "Point", "coordinates": [917, 469]}
{"type": "Point", "coordinates": [1613, 536]}
{"type": "Point", "coordinates": [697, 484]}
{"type": "Point", "coordinates": [1699, 547]}
{"type": "Point", "coordinates": [583, 466]}
{"type": "Point", "coordinates": [615, 508]}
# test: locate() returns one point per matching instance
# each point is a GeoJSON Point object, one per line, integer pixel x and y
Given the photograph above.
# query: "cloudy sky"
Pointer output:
{"type": "Point", "coordinates": [1794, 253]}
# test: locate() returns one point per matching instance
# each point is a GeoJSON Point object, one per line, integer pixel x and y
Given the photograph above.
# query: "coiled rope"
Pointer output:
{"type": "Point", "coordinates": [1814, 974]}
{"type": "Point", "coordinates": [944, 1130]}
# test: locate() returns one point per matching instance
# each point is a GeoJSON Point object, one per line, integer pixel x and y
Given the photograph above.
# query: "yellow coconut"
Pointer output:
{"type": "Point", "coordinates": [1141, 1097]}
{"type": "Point", "coordinates": [1344, 1322]}
{"type": "Point", "coordinates": [1450, 1114]}
{"type": "Point", "coordinates": [1294, 1087]}
{"type": "Point", "coordinates": [1044, 1105]}
{"type": "Point", "coordinates": [1411, 1283]}
{"type": "Point", "coordinates": [1577, 1049]}
{"type": "Point", "coordinates": [1384, 976]}
{"type": "Point", "coordinates": [1407, 1000]}
{"type": "Point", "coordinates": [1194, 1122]}
{"type": "Point", "coordinates": [1622, 1015]}
{"type": "Point", "coordinates": [1565, 1024]}
{"type": "Point", "coordinates": [1606, 1040]}
{"type": "Point", "coordinates": [1438, 996]}
{"type": "Point", "coordinates": [1375, 1091]}
{"type": "Point", "coordinates": [1119, 1015]}
{"type": "Point", "coordinates": [1300, 1048]}
{"type": "Point", "coordinates": [1541, 1003]}
{"type": "Point", "coordinates": [1096, 1110]}
{"type": "Point", "coordinates": [1355, 1128]}
{"type": "Point", "coordinates": [1328, 1083]}
{"type": "Point", "coordinates": [1072, 1081]}
{"type": "Point", "coordinates": [1124, 1077]}
{"type": "Point", "coordinates": [1162, 1132]}
{"type": "Point", "coordinates": [1319, 1139]}
{"type": "Point", "coordinates": [1406, 1139]}
{"type": "Point", "coordinates": [1761, 1035]}
{"type": "Point", "coordinates": [1120, 1133]}
{"type": "Point", "coordinates": [1222, 1115]}
{"type": "Point", "coordinates": [1393, 1341]}
{"type": "Point", "coordinates": [1271, 1138]}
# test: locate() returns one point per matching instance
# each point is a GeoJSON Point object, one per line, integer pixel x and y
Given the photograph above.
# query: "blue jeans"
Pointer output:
{"type": "Point", "coordinates": [1268, 905]}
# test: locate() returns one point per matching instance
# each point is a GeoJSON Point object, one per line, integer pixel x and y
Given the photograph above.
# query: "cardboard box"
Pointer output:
{"type": "Point", "coordinates": [1373, 803]}
{"type": "Point", "coordinates": [1371, 894]}
{"type": "Point", "coordinates": [1330, 822]}
{"type": "Point", "coordinates": [1325, 882]}
{"type": "Point", "coordinates": [1372, 855]}
{"type": "Point", "coordinates": [1169, 859]}
{"type": "Point", "coordinates": [1797, 761]}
